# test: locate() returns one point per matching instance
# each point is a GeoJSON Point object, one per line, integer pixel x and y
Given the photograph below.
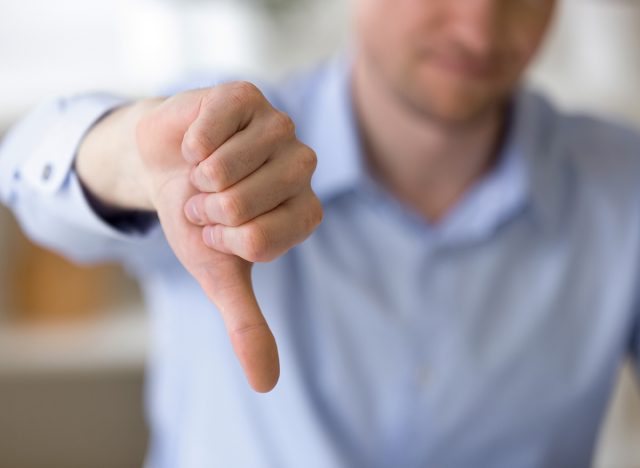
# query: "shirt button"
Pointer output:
{"type": "Point", "coordinates": [47, 171]}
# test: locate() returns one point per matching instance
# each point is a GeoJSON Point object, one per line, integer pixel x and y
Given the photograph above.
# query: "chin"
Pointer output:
{"type": "Point", "coordinates": [453, 108]}
{"type": "Point", "coordinates": [462, 109]}
{"type": "Point", "coordinates": [453, 99]}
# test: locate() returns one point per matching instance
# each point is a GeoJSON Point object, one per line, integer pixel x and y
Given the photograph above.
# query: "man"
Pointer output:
{"type": "Point", "coordinates": [466, 301]}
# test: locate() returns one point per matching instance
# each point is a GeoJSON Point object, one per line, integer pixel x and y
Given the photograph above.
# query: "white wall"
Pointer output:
{"type": "Point", "coordinates": [592, 58]}
{"type": "Point", "coordinates": [49, 47]}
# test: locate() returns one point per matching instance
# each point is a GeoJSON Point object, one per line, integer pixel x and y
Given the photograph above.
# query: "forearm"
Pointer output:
{"type": "Point", "coordinates": [108, 162]}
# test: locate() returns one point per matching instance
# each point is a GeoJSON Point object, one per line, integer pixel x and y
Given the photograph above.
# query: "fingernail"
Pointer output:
{"type": "Point", "coordinates": [192, 212]}
{"type": "Point", "coordinates": [207, 235]}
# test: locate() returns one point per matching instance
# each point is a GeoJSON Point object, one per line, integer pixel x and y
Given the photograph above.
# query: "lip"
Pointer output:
{"type": "Point", "coordinates": [465, 68]}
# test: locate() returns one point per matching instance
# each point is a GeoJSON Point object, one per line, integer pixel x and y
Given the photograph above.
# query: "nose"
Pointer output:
{"type": "Point", "coordinates": [477, 26]}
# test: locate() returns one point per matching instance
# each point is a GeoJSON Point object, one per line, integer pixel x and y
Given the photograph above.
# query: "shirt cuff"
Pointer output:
{"type": "Point", "coordinates": [36, 162]}
{"type": "Point", "coordinates": [126, 221]}
{"type": "Point", "coordinates": [39, 150]}
{"type": "Point", "coordinates": [86, 218]}
{"type": "Point", "coordinates": [50, 164]}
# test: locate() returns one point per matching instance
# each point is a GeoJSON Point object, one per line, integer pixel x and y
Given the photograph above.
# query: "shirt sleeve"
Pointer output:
{"type": "Point", "coordinates": [38, 183]}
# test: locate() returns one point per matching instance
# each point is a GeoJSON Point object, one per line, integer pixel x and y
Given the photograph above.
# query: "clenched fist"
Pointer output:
{"type": "Point", "coordinates": [231, 185]}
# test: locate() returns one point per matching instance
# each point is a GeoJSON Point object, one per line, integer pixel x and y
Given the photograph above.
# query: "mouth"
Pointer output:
{"type": "Point", "coordinates": [469, 69]}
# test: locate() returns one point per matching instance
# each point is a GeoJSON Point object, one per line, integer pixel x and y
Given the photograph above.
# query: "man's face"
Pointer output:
{"type": "Point", "coordinates": [452, 60]}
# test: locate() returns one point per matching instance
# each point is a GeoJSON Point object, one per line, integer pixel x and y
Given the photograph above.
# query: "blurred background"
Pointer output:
{"type": "Point", "coordinates": [73, 341]}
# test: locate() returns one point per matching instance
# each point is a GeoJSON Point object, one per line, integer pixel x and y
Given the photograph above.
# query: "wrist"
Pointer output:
{"type": "Point", "coordinates": [108, 162]}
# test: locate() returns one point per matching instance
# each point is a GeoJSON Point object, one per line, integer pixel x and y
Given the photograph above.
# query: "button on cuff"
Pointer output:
{"type": "Point", "coordinates": [49, 165]}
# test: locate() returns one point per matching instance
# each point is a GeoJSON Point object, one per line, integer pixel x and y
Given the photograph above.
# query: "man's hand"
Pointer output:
{"type": "Point", "coordinates": [231, 185]}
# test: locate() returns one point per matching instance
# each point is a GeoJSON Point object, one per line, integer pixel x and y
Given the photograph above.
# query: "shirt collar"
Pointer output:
{"type": "Point", "coordinates": [332, 131]}
{"type": "Point", "coordinates": [539, 139]}
{"type": "Point", "coordinates": [526, 174]}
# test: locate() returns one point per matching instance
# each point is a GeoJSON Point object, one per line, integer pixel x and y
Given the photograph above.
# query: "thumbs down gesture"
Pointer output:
{"type": "Point", "coordinates": [232, 186]}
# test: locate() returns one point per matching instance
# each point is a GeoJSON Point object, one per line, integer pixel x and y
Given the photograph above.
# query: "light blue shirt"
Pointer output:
{"type": "Point", "coordinates": [492, 339]}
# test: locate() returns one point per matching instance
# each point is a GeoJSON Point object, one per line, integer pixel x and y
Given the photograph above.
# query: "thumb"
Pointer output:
{"type": "Point", "coordinates": [227, 283]}
{"type": "Point", "coordinates": [226, 280]}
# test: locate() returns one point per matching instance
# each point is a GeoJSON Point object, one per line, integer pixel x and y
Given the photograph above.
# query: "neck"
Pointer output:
{"type": "Point", "coordinates": [426, 163]}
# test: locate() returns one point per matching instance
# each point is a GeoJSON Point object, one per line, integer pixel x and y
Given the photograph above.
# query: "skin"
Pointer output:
{"type": "Point", "coordinates": [207, 162]}
{"type": "Point", "coordinates": [431, 82]}
{"type": "Point", "coordinates": [231, 183]}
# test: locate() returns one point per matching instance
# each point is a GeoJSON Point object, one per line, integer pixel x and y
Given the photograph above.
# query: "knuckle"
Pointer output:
{"type": "Point", "coordinates": [243, 93]}
{"type": "Point", "coordinates": [210, 98]}
{"type": "Point", "coordinates": [196, 144]}
{"type": "Point", "coordinates": [308, 161]}
{"type": "Point", "coordinates": [283, 124]}
{"type": "Point", "coordinates": [256, 244]}
{"type": "Point", "coordinates": [232, 209]}
{"type": "Point", "coordinates": [207, 172]}
{"type": "Point", "coordinates": [301, 169]}
{"type": "Point", "coordinates": [247, 88]}
{"type": "Point", "coordinates": [216, 173]}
